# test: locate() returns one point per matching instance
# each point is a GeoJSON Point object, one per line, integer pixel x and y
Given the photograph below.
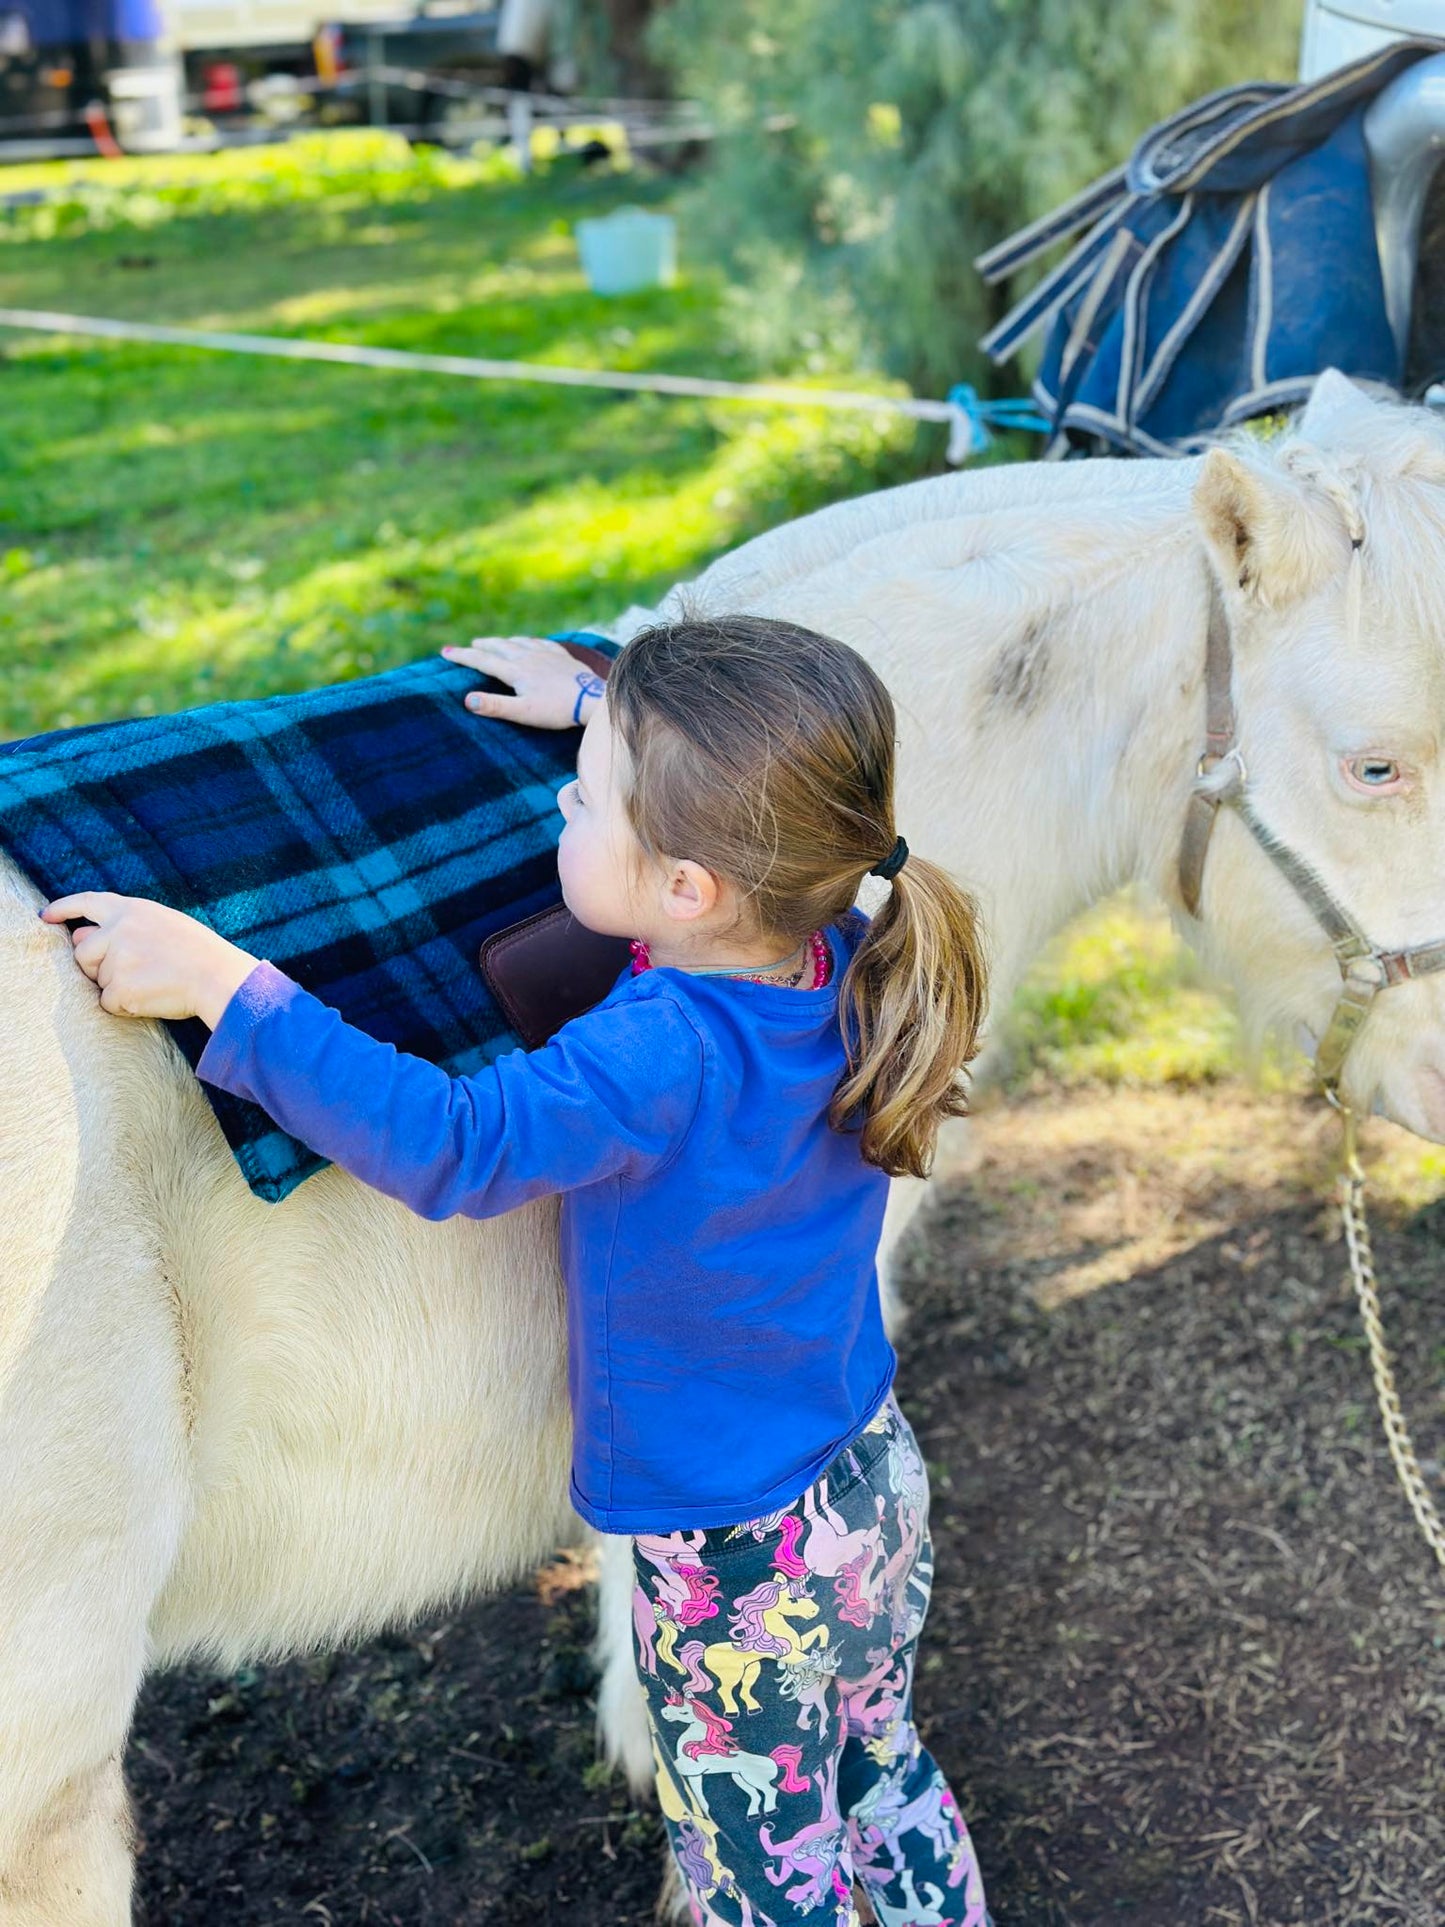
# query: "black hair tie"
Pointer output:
{"type": "Point", "coordinates": [892, 863]}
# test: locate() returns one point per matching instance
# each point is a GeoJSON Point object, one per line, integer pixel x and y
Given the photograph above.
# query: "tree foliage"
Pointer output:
{"type": "Point", "coordinates": [870, 148]}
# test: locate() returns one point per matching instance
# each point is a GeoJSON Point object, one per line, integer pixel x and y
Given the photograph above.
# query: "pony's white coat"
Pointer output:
{"type": "Point", "coordinates": [234, 1429]}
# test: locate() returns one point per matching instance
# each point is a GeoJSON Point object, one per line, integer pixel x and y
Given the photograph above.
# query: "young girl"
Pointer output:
{"type": "Point", "coordinates": [721, 1128]}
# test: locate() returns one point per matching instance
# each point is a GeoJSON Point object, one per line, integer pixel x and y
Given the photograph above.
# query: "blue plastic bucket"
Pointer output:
{"type": "Point", "coordinates": [628, 249]}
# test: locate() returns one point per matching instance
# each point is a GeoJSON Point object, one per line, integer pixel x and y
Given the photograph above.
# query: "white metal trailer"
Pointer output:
{"type": "Point", "coordinates": [1339, 31]}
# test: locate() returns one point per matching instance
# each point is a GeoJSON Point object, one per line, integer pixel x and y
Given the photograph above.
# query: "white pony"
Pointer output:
{"type": "Point", "coordinates": [232, 1429]}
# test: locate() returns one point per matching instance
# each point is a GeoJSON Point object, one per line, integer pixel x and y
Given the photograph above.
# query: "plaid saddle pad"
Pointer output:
{"type": "Point", "coordinates": [364, 837]}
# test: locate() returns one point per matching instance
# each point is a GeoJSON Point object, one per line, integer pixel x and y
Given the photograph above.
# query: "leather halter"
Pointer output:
{"type": "Point", "coordinates": [1365, 968]}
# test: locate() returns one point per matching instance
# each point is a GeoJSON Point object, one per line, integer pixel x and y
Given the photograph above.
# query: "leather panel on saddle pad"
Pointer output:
{"type": "Point", "coordinates": [548, 969]}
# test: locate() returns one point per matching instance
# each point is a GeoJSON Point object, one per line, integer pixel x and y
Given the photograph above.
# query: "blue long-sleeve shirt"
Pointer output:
{"type": "Point", "coordinates": [718, 1236]}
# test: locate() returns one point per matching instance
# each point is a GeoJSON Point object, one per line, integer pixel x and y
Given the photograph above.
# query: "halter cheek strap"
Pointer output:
{"type": "Point", "coordinates": [1219, 734]}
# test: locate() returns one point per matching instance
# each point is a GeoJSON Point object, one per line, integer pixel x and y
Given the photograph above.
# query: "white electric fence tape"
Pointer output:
{"type": "Point", "coordinates": [962, 437]}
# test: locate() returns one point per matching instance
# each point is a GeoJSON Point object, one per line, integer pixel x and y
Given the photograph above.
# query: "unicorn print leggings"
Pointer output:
{"type": "Point", "coordinates": [777, 1657]}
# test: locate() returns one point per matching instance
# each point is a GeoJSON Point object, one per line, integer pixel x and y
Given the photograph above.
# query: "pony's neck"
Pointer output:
{"type": "Point", "coordinates": [1081, 713]}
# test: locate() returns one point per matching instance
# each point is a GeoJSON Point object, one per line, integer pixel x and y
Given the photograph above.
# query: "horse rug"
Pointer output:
{"type": "Point", "coordinates": [1228, 264]}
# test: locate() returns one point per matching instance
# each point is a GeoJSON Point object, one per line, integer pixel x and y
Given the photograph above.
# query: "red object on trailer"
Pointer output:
{"type": "Point", "coordinates": [326, 51]}
{"type": "Point", "coordinates": [98, 122]}
{"type": "Point", "coordinates": [222, 88]}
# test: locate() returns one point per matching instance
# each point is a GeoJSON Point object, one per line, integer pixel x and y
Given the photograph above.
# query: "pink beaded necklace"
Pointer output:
{"type": "Point", "coordinates": [814, 947]}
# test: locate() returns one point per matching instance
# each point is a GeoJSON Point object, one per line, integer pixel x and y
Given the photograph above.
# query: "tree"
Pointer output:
{"type": "Point", "coordinates": [868, 149]}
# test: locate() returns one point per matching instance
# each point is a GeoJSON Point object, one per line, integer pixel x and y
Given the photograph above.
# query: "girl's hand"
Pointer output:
{"type": "Point", "coordinates": [151, 961]}
{"type": "Point", "coordinates": [553, 689]}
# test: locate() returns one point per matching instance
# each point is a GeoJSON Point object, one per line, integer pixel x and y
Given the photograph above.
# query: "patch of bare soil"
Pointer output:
{"type": "Point", "coordinates": [1186, 1664]}
{"type": "Point", "coordinates": [437, 1777]}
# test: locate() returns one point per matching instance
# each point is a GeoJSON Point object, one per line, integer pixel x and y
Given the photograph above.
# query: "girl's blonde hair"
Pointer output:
{"type": "Point", "coordinates": [765, 753]}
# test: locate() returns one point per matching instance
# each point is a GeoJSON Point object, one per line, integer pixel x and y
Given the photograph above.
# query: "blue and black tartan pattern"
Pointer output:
{"type": "Point", "coordinates": [365, 837]}
{"type": "Point", "coordinates": [1225, 267]}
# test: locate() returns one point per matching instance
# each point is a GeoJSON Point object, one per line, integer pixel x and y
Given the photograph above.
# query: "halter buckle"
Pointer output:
{"type": "Point", "coordinates": [1366, 972]}
{"type": "Point", "coordinates": [1210, 761]}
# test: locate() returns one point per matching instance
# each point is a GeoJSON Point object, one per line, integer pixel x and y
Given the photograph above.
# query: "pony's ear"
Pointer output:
{"type": "Point", "coordinates": [1267, 540]}
{"type": "Point", "coordinates": [1335, 401]}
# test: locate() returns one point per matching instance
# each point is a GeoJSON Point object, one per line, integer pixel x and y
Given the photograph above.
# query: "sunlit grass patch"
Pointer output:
{"type": "Point", "coordinates": [1404, 1174]}
{"type": "Point", "coordinates": [1117, 999]}
{"type": "Point", "coordinates": [141, 193]}
{"type": "Point", "coordinates": [236, 582]}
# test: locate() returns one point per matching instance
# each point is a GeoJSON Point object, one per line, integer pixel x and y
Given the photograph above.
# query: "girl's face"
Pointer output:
{"type": "Point", "coordinates": [611, 884]}
{"type": "Point", "coordinates": [602, 866]}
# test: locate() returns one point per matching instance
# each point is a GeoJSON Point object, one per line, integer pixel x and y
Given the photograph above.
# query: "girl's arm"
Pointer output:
{"type": "Point", "coordinates": [613, 1093]}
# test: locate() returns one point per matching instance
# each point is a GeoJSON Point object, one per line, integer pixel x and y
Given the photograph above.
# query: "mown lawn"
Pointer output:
{"type": "Point", "coordinates": [177, 526]}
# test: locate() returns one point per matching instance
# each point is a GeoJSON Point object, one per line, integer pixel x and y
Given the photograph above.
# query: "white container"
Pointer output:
{"type": "Point", "coordinates": [627, 250]}
{"type": "Point", "coordinates": [145, 107]}
{"type": "Point", "coordinates": [1339, 31]}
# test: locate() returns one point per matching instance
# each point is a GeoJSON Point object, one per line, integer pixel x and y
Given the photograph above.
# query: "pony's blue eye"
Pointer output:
{"type": "Point", "coordinates": [1372, 772]}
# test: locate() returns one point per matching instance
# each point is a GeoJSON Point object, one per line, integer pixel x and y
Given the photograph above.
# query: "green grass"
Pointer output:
{"type": "Point", "coordinates": [1116, 999]}
{"type": "Point", "coordinates": [178, 526]}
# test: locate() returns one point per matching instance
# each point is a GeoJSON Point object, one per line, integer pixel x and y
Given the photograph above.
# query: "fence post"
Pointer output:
{"type": "Point", "coordinates": [519, 128]}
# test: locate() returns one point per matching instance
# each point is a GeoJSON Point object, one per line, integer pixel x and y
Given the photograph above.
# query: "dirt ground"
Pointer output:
{"type": "Point", "coordinates": [1186, 1664]}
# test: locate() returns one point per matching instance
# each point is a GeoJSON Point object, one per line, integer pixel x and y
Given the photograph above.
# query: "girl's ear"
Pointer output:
{"type": "Point", "coordinates": [691, 891]}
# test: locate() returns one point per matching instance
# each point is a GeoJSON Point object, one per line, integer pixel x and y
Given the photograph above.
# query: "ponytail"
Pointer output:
{"type": "Point", "coordinates": [911, 1003]}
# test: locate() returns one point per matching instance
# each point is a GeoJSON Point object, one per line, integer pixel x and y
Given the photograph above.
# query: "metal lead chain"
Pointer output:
{"type": "Point", "coordinates": [1362, 1268]}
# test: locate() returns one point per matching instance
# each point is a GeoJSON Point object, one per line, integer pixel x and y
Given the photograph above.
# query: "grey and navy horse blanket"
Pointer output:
{"type": "Point", "coordinates": [365, 837]}
{"type": "Point", "coordinates": [1223, 268]}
